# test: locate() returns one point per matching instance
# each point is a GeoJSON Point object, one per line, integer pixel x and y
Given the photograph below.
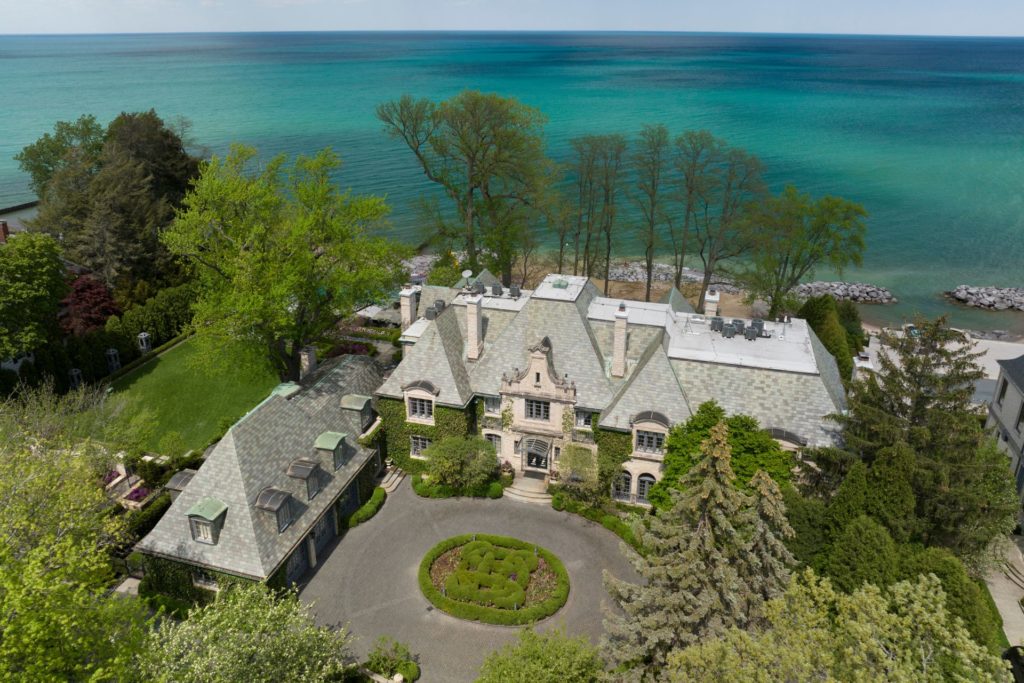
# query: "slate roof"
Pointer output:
{"type": "Point", "coordinates": [652, 386]}
{"type": "Point", "coordinates": [674, 361]}
{"type": "Point", "coordinates": [255, 454]}
{"type": "Point", "coordinates": [1013, 369]}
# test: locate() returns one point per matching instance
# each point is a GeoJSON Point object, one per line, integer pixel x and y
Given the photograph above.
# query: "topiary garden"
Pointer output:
{"type": "Point", "coordinates": [493, 579]}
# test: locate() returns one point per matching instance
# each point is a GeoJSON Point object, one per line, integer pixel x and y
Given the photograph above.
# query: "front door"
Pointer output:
{"type": "Point", "coordinates": [537, 452]}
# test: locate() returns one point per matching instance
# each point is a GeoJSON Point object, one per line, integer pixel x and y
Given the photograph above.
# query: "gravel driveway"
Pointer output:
{"type": "Point", "coordinates": [368, 581]}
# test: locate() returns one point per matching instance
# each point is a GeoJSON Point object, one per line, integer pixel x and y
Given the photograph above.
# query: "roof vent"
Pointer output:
{"type": "Point", "coordinates": [496, 290]}
{"type": "Point", "coordinates": [439, 304]}
{"type": "Point", "coordinates": [514, 291]}
{"type": "Point", "coordinates": [560, 284]}
{"type": "Point", "coordinates": [478, 287]}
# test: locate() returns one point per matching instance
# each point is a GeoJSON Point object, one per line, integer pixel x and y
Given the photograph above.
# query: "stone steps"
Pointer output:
{"type": "Point", "coordinates": [392, 480]}
{"type": "Point", "coordinates": [524, 495]}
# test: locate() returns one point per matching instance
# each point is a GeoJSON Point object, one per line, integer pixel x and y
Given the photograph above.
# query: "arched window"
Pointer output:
{"type": "Point", "coordinates": [621, 486]}
{"type": "Point", "coordinates": [643, 487]}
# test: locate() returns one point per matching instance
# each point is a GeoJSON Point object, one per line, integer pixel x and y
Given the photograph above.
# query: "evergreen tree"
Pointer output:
{"type": "Point", "coordinates": [920, 396]}
{"type": "Point", "coordinates": [850, 501]}
{"type": "Point", "coordinates": [766, 562]}
{"type": "Point", "coordinates": [889, 498]}
{"type": "Point", "coordinates": [863, 553]}
{"type": "Point", "coordinates": [691, 588]}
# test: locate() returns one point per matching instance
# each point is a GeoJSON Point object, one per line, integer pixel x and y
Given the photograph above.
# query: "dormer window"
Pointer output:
{"type": "Point", "coordinates": [421, 408]}
{"type": "Point", "coordinates": [333, 443]}
{"type": "Point", "coordinates": [278, 503]}
{"type": "Point", "coordinates": [308, 471]}
{"type": "Point", "coordinates": [361, 405]}
{"type": "Point", "coordinates": [205, 520]}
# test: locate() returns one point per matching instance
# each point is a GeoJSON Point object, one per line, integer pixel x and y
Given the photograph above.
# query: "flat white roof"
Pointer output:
{"type": "Point", "coordinates": [638, 312]}
{"type": "Point", "coordinates": [412, 333]}
{"type": "Point", "coordinates": [560, 287]}
{"type": "Point", "coordinates": [788, 349]}
{"type": "Point", "coordinates": [504, 302]}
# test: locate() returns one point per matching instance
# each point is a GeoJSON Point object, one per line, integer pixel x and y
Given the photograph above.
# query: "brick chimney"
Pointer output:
{"type": "Point", "coordinates": [619, 342]}
{"type": "Point", "coordinates": [307, 361]}
{"type": "Point", "coordinates": [474, 326]}
{"type": "Point", "coordinates": [5, 232]}
{"type": "Point", "coordinates": [407, 297]}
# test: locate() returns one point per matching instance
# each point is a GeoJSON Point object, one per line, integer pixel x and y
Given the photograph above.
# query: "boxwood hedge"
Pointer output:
{"type": "Point", "coordinates": [493, 615]}
{"type": "Point", "coordinates": [369, 508]}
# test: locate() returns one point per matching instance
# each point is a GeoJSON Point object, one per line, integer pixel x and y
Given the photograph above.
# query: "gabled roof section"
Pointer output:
{"type": "Point", "coordinates": [436, 358]}
{"type": "Point", "coordinates": [676, 301]}
{"type": "Point", "coordinates": [652, 387]}
{"type": "Point", "coordinates": [485, 277]}
{"type": "Point", "coordinates": [432, 293]}
{"type": "Point", "coordinates": [208, 508]}
{"type": "Point", "coordinates": [1013, 369]}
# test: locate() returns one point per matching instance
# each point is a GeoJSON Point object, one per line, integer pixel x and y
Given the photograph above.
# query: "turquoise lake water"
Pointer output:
{"type": "Point", "coordinates": [927, 133]}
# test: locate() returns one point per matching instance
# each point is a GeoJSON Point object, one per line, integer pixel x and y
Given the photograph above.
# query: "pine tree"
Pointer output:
{"type": "Point", "coordinates": [850, 501]}
{"type": "Point", "coordinates": [767, 561]}
{"type": "Point", "coordinates": [691, 588]}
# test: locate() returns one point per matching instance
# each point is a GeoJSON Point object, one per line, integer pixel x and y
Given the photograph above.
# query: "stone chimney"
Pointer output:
{"type": "Point", "coordinates": [5, 232]}
{"type": "Point", "coordinates": [474, 326]}
{"type": "Point", "coordinates": [619, 342]}
{"type": "Point", "coordinates": [408, 301]}
{"type": "Point", "coordinates": [307, 361]}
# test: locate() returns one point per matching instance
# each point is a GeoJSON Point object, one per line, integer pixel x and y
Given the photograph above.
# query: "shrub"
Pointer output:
{"type": "Point", "coordinates": [142, 522]}
{"type": "Point", "coordinates": [562, 502]}
{"type": "Point", "coordinates": [494, 615]}
{"type": "Point", "coordinates": [495, 490]}
{"type": "Point", "coordinates": [463, 463]}
{"type": "Point", "coordinates": [369, 508]}
{"type": "Point", "coordinates": [410, 670]}
{"type": "Point", "coordinates": [390, 657]}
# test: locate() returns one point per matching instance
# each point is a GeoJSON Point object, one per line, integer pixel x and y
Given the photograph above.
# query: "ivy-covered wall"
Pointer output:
{"type": "Point", "coordinates": [172, 578]}
{"type": "Point", "coordinates": [613, 449]}
{"type": "Point", "coordinates": [447, 422]}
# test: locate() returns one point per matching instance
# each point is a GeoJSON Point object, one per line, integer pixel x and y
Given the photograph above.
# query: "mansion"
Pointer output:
{"type": "Point", "coordinates": [536, 371]}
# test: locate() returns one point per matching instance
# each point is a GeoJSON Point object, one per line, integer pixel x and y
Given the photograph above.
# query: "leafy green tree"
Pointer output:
{"type": "Point", "coordinates": [70, 141]}
{"type": "Point", "coordinates": [609, 171]}
{"type": "Point", "coordinates": [652, 161]}
{"type": "Point", "coordinates": [486, 153]}
{"type": "Point", "coordinates": [696, 152]}
{"type": "Point", "coordinates": [580, 477]}
{"type": "Point", "coordinates": [32, 274]}
{"type": "Point", "coordinates": [281, 255]}
{"type": "Point", "coordinates": [445, 272]}
{"type": "Point", "coordinates": [390, 657]}
{"type": "Point", "coordinates": [902, 635]}
{"type": "Point", "coordinates": [920, 396]}
{"type": "Point", "coordinates": [59, 621]}
{"type": "Point", "coordinates": [863, 553]}
{"type": "Point", "coordinates": [795, 235]}
{"type": "Point", "coordinates": [249, 633]}
{"type": "Point", "coordinates": [548, 657]}
{"type": "Point", "coordinates": [464, 463]}
{"type": "Point", "coordinates": [752, 449]}
{"type": "Point", "coordinates": [691, 588]}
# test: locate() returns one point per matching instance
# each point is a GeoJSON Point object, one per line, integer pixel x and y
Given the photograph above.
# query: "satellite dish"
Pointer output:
{"type": "Point", "coordinates": [467, 274]}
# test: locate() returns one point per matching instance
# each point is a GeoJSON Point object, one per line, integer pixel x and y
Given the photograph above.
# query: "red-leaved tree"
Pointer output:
{"type": "Point", "coordinates": [87, 306]}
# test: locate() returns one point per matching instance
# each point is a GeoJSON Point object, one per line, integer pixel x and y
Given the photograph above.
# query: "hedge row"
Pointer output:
{"type": "Point", "coordinates": [426, 489]}
{"type": "Point", "coordinates": [492, 615]}
{"type": "Point", "coordinates": [142, 522]}
{"type": "Point", "coordinates": [560, 501]}
{"type": "Point", "coordinates": [368, 509]}
{"type": "Point", "coordinates": [142, 360]}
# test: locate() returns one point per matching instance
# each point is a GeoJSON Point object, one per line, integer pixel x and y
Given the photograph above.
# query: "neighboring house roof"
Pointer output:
{"type": "Point", "coordinates": [1013, 369]}
{"type": "Point", "coordinates": [486, 278]}
{"type": "Point", "coordinates": [674, 362]}
{"type": "Point", "coordinates": [254, 456]}
{"type": "Point", "coordinates": [676, 301]}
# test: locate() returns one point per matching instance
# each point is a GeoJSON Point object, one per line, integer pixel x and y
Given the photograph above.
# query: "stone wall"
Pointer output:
{"type": "Point", "coordinates": [992, 298]}
{"type": "Point", "coordinates": [841, 291]}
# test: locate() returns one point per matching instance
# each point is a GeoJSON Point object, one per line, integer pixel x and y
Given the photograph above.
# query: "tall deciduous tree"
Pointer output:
{"type": "Point", "coordinates": [32, 277]}
{"type": "Point", "coordinates": [281, 254]}
{"type": "Point", "coordinates": [584, 203]}
{"type": "Point", "coordinates": [651, 162]}
{"type": "Point", "coordinates": [695, 154]}
{"type": "Point", "coordinates": [903, 634]}
{"type": "Point", "coordinates": [71, 141]}
{"type": "Point", "coordinates": [58, 621]}
{"type": "Point", "coordinates": [920, 396]}
{"type": "Point", "coordinates": [249, 633]}
{"type": "Point", "coordinates": [691, 587]}
{"type": "Point", "coordinates": [549, 657]}
{"type": "Point", "coordinates": [610, 169]}
{"type": "Point", "coordinates": [792, 235]}
{"type": "Point", "coordinates": [487, 154]}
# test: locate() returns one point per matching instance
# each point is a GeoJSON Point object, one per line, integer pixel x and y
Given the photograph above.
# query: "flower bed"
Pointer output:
{"type": "Point", "coordinates": [493, 579]}
{"type": "Point", "coordinates": [137, 498]}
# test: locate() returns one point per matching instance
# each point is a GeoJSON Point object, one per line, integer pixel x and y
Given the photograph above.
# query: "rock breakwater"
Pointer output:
{"type": "Point", "coordinates": [991, 298]}
{"type": "Point", "coordinates": [858, 292]}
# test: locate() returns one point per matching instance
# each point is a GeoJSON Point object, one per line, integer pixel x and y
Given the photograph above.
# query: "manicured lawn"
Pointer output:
{"type": "Point", "coordinates": [192, 402]}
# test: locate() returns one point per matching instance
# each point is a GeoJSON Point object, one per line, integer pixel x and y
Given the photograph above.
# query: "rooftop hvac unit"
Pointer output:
{"type": "Point", "coordinates": [496, 290]}
{"type": "Point", "coordinates": [514, 291]}
{"type": "Point", "coordinates": [751, 333]}
{"type": "Point", "coordinates": [738, 324]}
{"type": "Point", "coordinates": [478, 288]}
{"type": "Point", "coordinates": [431, 314]}
{"type": "Point", "coordinates": [717, 323]}
{"type": "Point", "coordinates": [439, 304]}
{"type": "Point", "coordinates": [728, 331]}
{"type": "Point", "coordinates": [758, 325]}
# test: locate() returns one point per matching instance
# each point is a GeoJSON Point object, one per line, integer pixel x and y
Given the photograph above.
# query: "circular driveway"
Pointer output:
{"type": "Point", "coordinates": [368, 582]}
